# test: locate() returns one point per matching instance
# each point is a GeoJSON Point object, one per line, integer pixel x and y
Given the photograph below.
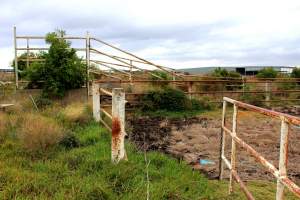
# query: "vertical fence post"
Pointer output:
{"type": "Point", "coordinates": [283, 157]}
{"type": "Point", "coordinates": [267, 93]}
{"type": "Point", "coordinates": [222, 139]}
{"type": "Point", "coordinates": [233, 147]}
{"type": "Point", "coordinates": [190, 86]}
{"type": "Point", "coordinates": [96, 102]}
{"type": "Point", "coordinates": [87, 56]}
{"type": "Point", "coordinates": [118, 125]}
{"type": "Point", "coordinates": [16, 58]}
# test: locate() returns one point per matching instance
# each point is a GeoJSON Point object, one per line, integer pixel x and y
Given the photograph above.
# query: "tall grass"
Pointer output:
{"type": "Point", "coordinates": [39, 133]}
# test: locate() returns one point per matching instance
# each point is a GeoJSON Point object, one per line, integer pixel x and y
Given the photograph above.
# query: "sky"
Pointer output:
{"type": "Point", "coordinates": [177, 34]}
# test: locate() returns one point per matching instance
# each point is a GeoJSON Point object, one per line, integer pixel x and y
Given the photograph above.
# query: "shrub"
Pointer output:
{"type": "Point", "coordinates": [62, 69]}
{"type": "Point", "coordinates": [77, 113]}
{"type": "Point", "coordinates": [70, 141]}
{"type": "Point", "coordinates": [171, 99]}
{"type": "Point", "coordinates": [268, 72]}
{"type": "Point", "coordinates": [163, 75]}
{"type": "Point", "coordinates": [39, 133]}
{"type": "Point", "coordinates": [227, 75]}
{"type": "Point", "coordinates": [166, 99]}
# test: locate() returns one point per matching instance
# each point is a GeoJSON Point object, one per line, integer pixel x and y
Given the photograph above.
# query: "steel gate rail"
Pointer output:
{"type": "Point", "coordinates": [281, 173]}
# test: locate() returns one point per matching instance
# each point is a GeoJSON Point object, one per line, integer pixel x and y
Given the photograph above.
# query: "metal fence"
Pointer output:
{"type": "Point", "coordinates": [281, 173]}
{"type": "Point", "coordinates": [117, 117]}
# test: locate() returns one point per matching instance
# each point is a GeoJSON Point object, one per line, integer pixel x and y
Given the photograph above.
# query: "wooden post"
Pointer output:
{"type": "Point", "coordinates": [16, 58]}
{"type": "Point", "coordinates": [233, 148]}
{"type": "Point", "coordinates": [222, 146]}
{"type": "Point", "coordinates": [118, 125]}
{"type": "Point", "coordinates": [87, 56]}
{"type": "Point", "coordinates": [283, 157]}
{"type": "Point", "coordinates": [96, 102]}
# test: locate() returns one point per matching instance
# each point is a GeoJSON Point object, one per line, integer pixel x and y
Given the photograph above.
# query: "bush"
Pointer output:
{"type": "Point", "coordinates": [62, 69]}
{"type": "Point", "coordinates": [77, 113]}
{"type": "Point", "coordinates": [70, 141]}
{"type": "Point", "coordinates": [268, 72]}
{"type": "Point", "coordinates": [226, 75]}
{"type": "Point", "coordinates": [170, 99]}
{"type": "Point", "coordinates": [163, 75]}
{"type": "Point", "coordinates": [39, 133]}
{"type": "Point", "coordinates": [295, 73]}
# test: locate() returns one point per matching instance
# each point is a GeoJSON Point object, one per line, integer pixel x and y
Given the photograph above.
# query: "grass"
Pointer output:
{"type": "Point", "coordinates": [85, 171]}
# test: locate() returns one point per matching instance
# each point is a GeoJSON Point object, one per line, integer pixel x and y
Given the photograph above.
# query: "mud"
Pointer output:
{"type": "Point", "coordinates": [198, 138]}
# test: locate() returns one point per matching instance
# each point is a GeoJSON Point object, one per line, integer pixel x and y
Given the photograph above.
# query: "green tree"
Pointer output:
{"type": "Point", "coordinates": [267, 72]}
{"type": "Point", "coordinates": [62, 70]}
{"type": "Point", "coordinates": [295, 73]}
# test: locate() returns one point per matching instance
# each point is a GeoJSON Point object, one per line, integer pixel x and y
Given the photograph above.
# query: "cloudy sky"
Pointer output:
{"type": "Point", "coordinates": [176, 33]}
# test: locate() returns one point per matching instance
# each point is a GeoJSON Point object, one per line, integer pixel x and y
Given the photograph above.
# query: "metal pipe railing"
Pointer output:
{"type": "Point", "coordinates": [281, 173]}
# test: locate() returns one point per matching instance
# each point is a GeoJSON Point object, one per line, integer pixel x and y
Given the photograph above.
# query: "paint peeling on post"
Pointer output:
{"type": "Point", "coordinates": [96, 102]}
{"type": "Point", "coordinates": [118, 125]}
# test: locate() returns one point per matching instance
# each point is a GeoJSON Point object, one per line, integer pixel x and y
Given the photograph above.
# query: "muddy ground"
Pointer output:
{"type": "Point", "coordinates": [198, 138]}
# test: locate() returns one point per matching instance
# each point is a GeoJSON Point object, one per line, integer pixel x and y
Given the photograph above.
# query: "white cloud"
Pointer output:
{"type": "Point", "coordinates": [188, 33]}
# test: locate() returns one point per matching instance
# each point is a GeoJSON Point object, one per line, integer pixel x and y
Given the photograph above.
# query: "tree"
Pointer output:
{"type": "Point", "coordinates": [268, 72]}
{"type": "Point", "coordinates": [295, 73]}
{"type": "Point", "coordinates": [62, 70]}
{"type": "Point", "coordinates": [22, 63]}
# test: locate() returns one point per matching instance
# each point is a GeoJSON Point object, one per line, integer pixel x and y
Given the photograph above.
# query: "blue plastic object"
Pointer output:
{"type": "Point", "coordinates": [206, 162]}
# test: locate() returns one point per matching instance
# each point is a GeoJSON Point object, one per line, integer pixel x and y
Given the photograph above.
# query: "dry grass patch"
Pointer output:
{"type": "Point", "coordinates": [38, 133]}
{"type": "Point", "coordinates": [77, 113]}
{"type": "Point", "coordinates": [3, 125]}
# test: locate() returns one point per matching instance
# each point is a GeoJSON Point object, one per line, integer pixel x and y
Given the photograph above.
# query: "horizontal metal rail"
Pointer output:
{"type": "Point", "coordinates": [281, 173]}
{"type": "Point", "coordinates": [105, 92]}
{"type": "Point", "coordinates": [195, 81]}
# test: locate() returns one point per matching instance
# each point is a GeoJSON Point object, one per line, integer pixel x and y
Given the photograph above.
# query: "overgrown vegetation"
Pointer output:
{"type": "Point", "coordinates": [267, 72]}
{"type": "Point", "coordinates": [168, 100]}
{"type": "Point", "coordinates": [62, 70]}
{"type": "Point", "coordinates": [78, 165]}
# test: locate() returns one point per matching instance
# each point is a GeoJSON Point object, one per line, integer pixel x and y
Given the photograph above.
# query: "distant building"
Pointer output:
{"type": "Point", "coordinates": [243, 70]}
{"type": "Point", "coordinates": [6, 69]}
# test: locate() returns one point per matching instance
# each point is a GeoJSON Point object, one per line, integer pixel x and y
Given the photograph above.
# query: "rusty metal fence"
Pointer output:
{"type": "Point", "coordinates": [117, 117]}
{"type": "Point", "coordinates": [281, 173]}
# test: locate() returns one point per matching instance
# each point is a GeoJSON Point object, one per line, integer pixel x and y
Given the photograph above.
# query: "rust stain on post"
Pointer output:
{"type": "Point", "coordinates": [116, 127]}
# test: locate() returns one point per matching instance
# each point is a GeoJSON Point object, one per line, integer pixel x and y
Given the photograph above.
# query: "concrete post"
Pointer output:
{"type": "Point", "coordinates": [283, 157]}
{"type": "Point", "coordinates": [96, 102]}
{"type": "Point", "coordinates": [16, 58]}
{"type": "Point", "coordinates": [118, 125]}
{"type": "Point", "coordinates": [233, 148]}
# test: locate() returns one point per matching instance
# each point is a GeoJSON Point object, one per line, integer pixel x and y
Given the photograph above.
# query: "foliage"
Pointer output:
{"type": "Point", "coordinates": [63, 69]}
{"type": "Point", "coordinates": [295, 73]}
{"type": "Point", "coordinates": [170, 99]}
{"type": "Point", "coordinates": [224, 73]}
{"type": "Point", "coordinates": [253, 99]}
{"type": "Point", "coordinates": [268, 72]}
{"type": "Point", "coordinates": [162, 74]}
{"type": "Point", "coordinates": [22, 62]}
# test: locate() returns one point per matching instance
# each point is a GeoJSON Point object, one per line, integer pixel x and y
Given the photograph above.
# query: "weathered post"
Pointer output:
{"type": "Point", "coordinates": [233, 148]}
{"type": "Point", "coordinates": [267, 93]}
{"type": "Point", "coordinates": [118, 125]}
{"type": "Point", "coordinates": [190, 86]}
{"type": "Point", "coordinates": [222, 146]}
{"type": "Point", "coordinates": [16, 58]}
{"type": "Point", "coordinates": [87, 56]}
{"type": "Point", "coordinates": [283, 157]}
{"type": "Point", "coordinates": [96, 102]}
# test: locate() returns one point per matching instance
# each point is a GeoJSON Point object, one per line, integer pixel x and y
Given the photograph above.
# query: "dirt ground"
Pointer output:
{"type": "Point", "coordinates": [199, 138]}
